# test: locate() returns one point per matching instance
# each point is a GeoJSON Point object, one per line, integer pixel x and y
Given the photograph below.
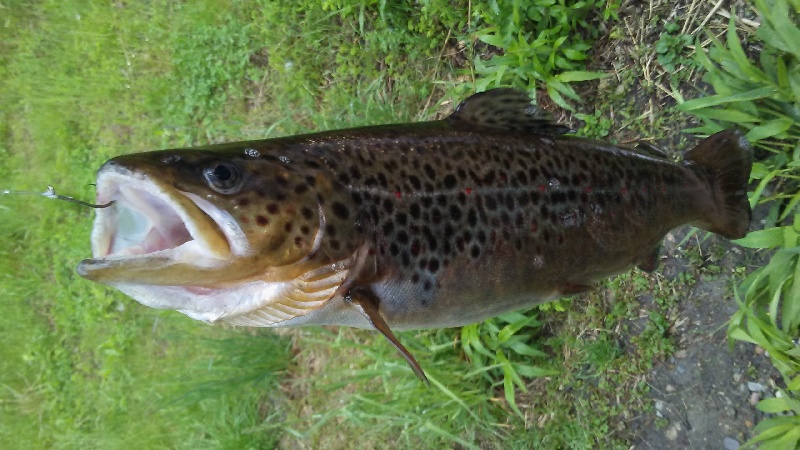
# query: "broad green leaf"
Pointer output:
{"type": "Point", "coordinates": [714, 100]}
{"type": "Point", "coordinates": [728, 115]}
{"type": "Point", "coordinates": [790, 206]}
{"type": "Point", "coordinates": [579, 75]}
{"type": "Point", "coordinates": [536, 372]}
{"type": "Point", "coordinates": [756, 195]}
{"type": "Point", "coordinates": [769, 129]}
{"type": "Point", "coordinates": [774, 405]}
{"type": "Point", "coordinates": [736, 51]}
{"type": "Point", "coordinates": [493, 40]}
{"type": "Point", "coordinates": [791, 302]}
{"type": "Point", "coordinates": [794, 385]}
{"type": "Point", "coordinates": [526, 350]}
{"type": "Point", "coordinates": [769, 238]}
{"type": "Point", "coordinates": [741, 335]}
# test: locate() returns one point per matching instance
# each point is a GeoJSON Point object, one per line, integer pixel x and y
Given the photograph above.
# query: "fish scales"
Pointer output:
{"type": "Point", "coordinates": [528, 217]}
{"type": "Point", "coordinates": [407, 226]}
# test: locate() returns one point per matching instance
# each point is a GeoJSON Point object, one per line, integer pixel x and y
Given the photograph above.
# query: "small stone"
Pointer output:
{"type": "Point", "coordinates": [659, 408]}
{"type": "Point", "coordinates": [755, 397]}
{"type": "Point", "coordinates": [730, 443]}
{"type": "Point", "coordinates": [680, 354]}
{"type": "Point", "coordinates": [756, 387]}
{"type": "Point", "coordinates": [671, 433]}
{"type": "Point", "coordinates": [737, 377]}
{"type": "Point", "coordinates": [670, 389]}
{"type": "Point", "coordinates": [748, 423]}
{"type": "Point", "coordinates": [759, 350]}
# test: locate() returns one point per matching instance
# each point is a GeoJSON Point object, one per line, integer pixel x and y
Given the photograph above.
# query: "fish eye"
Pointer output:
{"type": "Point", "coordinates": [223, 177]}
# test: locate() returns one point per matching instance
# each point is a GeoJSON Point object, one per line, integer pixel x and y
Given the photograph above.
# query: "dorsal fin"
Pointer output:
{"type": "Point", "coordinates": [504, 109]}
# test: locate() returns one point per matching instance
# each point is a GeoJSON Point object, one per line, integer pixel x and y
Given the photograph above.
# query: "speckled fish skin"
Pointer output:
{"type": "Point", "coordinates": [447, 222]}
{"type": "Point", "coordinates": [465, 225]}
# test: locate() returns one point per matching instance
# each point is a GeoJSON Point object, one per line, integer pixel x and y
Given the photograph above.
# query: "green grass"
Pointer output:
{"type": "Point", "coordinates": [762, 97]}
{"type": "Point", "coordinates": [85, 366]}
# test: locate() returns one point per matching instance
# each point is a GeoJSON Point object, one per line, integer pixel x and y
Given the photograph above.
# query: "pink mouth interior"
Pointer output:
{"type": "Point", "coordinates": [141, 223]}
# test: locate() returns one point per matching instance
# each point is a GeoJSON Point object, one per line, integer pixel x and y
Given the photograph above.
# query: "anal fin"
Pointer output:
{"type": "Point", "coordinates": [367, 303]}
{"type": "Point", "coordinates": [649, 262]}
{"type": "Point", "coordinates": [573, 289]}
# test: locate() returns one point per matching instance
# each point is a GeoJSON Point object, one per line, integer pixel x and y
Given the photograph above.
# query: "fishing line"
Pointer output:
{"type": "Point", "coordinates": [51, 193]}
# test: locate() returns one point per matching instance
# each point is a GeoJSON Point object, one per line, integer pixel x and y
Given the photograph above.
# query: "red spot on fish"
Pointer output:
{"type": "Point", "coordinates": [542, 188]}
{"type": "Point", "coordinates": [272, 208]}
{"type": "Point", "coordinates": [468, 191]}
{"type": "Point", "coordinates": [534, 227]}
{"type": "Point", "coordinates": [644, 189]}
{"type": "Point", "coordinates": [262, 221]}
{"type": "Point", "coordinates": [371, 251]}
{"type": "Point", "coordinates": [244, 219]}
{"type": "Point", "coordinates": [623, 191]}
{"type": "Point", "coordinates": [663, 189]}
{"type": "Point", "coordinates": [398, 194]}
{"type": "Point", "coordinates": [588, 190]}
{"type": "Point", "coordinates": [298, 241]}
{"type": "Point", "coordinates": [503, 178]}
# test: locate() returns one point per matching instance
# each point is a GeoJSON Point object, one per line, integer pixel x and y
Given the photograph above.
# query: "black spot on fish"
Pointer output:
{"type": "Point", "coordinates": [301, 189]}
{"type": "Point", "coordinates": [357, 198]}
{"type": "Point", "coordinates": [414, 211]}
{"type": "Point", "coordinates": [490, 202]}
{"type": "Point", "coordinates": [436, 216]}
{"type": "Point", "coordinates": [472, 217]}
{"type": "Point", "coordinates": [340, 210]}
{"type": "Point", "coordinates": [432, 242]}
{"type": "Point", "coordinates": [433, 265]}
{"type": "Point", "coordinates": [405, 259]}
{"type": "Point", "coordinates": [455, 212]}
{"type": "Point", "coordinates": [415, 247]}
{"type": "Point", "coordinates": [429, 172]}
{"type": "Point", "coordinates": [394, 249]}
{"type": "Point", "coordinates": [558, 197]}
{"type": "Point", "coordinates": [262, 221]}
{"type": "Point", "coordinates": [287, 227]}
{"type": "Point", "coordinates": [402, 237]}
{"type": "Point", "coordinates": [388, 226]}
{"type": "Point", "coordinates": [475, 251]}
{"type": "Point", "coordinates": [330, 229]}
{"type": "Point", "coordinates": [401, 218]}
{"type": "Point", "coordinates": [334, 244]}
{"type": "Point", "coordinates": [272, 208]}
{"type": "Point", "coordinates": [450, 181]}
{"type": "Point", "coordinates": [355, 173]}
{"type": "Point", "coordinates": [509, 200]}
{"type": "Point", "coordinates": [415, 183]}
{"type": "Point", "coordinates": [572, 195]}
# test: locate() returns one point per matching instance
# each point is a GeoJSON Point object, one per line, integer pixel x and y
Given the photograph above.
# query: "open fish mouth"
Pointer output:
{"type": "Point", "coordinates": [151, 226]}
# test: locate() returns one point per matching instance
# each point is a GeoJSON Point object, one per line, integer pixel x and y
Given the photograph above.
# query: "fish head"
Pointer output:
{"type": "Point", "coordinates": [213, 234]}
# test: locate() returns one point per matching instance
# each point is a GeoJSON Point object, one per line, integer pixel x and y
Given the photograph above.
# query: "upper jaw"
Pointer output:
{"type": "Point", "coordinates": [150, 227]}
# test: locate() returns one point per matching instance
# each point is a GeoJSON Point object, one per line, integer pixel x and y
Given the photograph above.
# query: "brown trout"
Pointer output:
{"type": "Point", "coordinates": [408, 226]}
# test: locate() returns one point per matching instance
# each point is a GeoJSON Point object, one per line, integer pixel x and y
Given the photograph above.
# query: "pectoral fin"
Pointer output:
{"type": "Point", "coordinates": [366, 302]}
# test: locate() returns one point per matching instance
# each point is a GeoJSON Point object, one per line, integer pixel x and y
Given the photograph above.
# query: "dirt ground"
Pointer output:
{"type": "Point", "coordinates": [704, 395]}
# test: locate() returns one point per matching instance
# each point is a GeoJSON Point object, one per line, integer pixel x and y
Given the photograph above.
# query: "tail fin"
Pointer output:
{"type": "Point", "coordinates": [725, 160]}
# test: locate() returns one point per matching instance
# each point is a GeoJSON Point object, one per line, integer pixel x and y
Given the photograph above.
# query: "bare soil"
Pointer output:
{"type": "Point", "coordinates": [703, 396]}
